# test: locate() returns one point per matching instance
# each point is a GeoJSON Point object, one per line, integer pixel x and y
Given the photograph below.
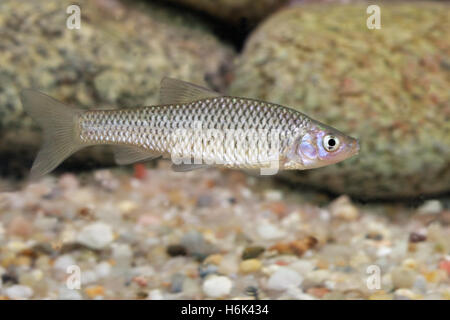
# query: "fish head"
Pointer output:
{"type": "Point", "coordinates": [319, 146]}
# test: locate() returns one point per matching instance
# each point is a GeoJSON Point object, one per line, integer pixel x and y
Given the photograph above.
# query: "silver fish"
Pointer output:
{"type": "Point", "coordinates": [195, 127]}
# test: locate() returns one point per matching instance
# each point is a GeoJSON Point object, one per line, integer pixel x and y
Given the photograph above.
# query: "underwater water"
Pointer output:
{"type": "Point", "coordinates": [374, 225]}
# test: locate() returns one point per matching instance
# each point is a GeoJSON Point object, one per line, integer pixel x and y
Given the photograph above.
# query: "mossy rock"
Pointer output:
{"type": "Point", "coordinates": [387, 87]}
{"type": "Point", "coordinates": [117, 58]}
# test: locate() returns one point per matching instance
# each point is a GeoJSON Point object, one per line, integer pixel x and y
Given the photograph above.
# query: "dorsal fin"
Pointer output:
{"type": "Point", "coordinates": [176, 91]}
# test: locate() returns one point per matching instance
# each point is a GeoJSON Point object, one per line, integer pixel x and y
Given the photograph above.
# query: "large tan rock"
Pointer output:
{"type": "Point", "coordinates": [117, 58]}
{"type": "Point", "coordinates": [235, 11]}
{"type": "Point", "coordinates": [388, 87]}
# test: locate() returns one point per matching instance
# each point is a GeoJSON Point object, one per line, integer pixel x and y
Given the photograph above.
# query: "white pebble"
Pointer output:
{"type": "Point", "coordinates": [103, 269]}
{"type": "Point", "coordinates": [69, 294]}
{"type": "Point", "coordinates": [431, 207]}
{"type": "Point", "coordinates": [273, 195]}
{"type": "Point", "coordinates": [217, 286]}
{"type": "Point", "coordinates": [155, 295]}
{"type": "Point", "coordinates": [384, 251]}
{"type": "Point", "coordinates": [284, 278]}
{"type": "Point", "coordinates": [96, 236]}
{"type": "Point", "coordinates": [88, 277]}
{"type": "Point", "coordinates": [62, 262]}
{"type": "Point", "coordinates": [19, 292]}
{"type": "Point", "coordinates": [270, 231]}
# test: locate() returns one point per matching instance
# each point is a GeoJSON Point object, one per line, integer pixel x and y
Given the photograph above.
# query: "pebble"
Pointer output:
{"type": "Point", "coordinates": [94, 291]}
{"type": "Point", "coordinates": [283, 278]}
{"type": "Point", "coordinates": [269, 231]}
{"type": "Point", "coordinates": [174, 250]}
{"type": "Point", "coordinates": [342, 208]}
{"type": "Point", "coordinates": [155, 294]}
{"type": "Point", "coordinates": [196, 245]}
{"type": "Point", "coordinates": [273, 195]}
{"type": "Point", "coordinates": [415, 237]}
{"type": "Point", "coordinates": [250, 265]}
{"type": "Point", "coordinates": [19, 226]}
{"type": "Point", "coordinates": [176, 283]}
{"type": "Point", "coordinates": [69, 294]}
{"type": "Point", "coordinates": [18, 292]}
{"type": "Point", "coordinates": [431, 207]}
{"type": "Point", "coordinates": [122, 255]}
{"type": "Point", "coordinates": [103, 269]}
{"type": "Point", "coordinates": [405, 294]}
{"type": "Point", "coordinates": [96, 235]}
{"type": "Point", "coordinates": [215, 259]}
{"type": "Point", "coordinates": [403, 277]}
{"type": "Point", "coordinates": [217, 286]}
{"type": "Point", "coordinates": [64, 261]}
{"type": "Point", "coordinates": [252, 252]}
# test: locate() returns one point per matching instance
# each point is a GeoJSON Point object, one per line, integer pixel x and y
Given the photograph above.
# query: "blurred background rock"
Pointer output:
{"type": "Point", "coordinates": [388, 87]}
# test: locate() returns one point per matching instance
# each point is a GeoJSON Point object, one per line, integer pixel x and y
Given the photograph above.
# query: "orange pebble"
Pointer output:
{"type": "Point", "coordinates": [94, 291]}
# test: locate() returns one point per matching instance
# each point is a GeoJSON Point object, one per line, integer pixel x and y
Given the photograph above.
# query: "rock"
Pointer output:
{"type": "Point", "coordinates": [68, 294]}
{"type": "Point", "coordinates": [215, 259]}
{"type": "Point", "coordinates": [252, 252]}
{"type": "Point", "coordinates": [269, 231]}
{"type": "Point", "coordinates": [19, 226]}
{"type": "Point", "coordinates": [405, 294]}
{"type": "Point", "coordinates": [403, 277]}
{"type": "Point", "coordinates": [250, 265]}
{"type": "Point", "coordinates": [372, 85]}
{"type": "Point", "coordinates": [103, 269]}
{"type": "Point", "coordinates": [217, 286]}
{"type": "Point", "coordinates": [95, 291]}
{"type": "Point", "coordinates": [122, 255]}
{"type": "Point", "coordinates": [62, 262]}
{"type": "Point", "coordinates": [174, 250]}
{"type": "Point", "coordinates": [196, 245]}
{"type": "Point", "coordinates": [235, 12]}
{"type": "Point", "coordinates": [155, 294]}
{"type": "Point", "coordinates": [431, 207]}
{"type": "Point", "coordinates": [284, 278]}
{"type": "Point", "coordinates": [176, 283]}
{"type": "Point", "coordinates": [96, 235]}
{"type": "Point", "coordinates": [18, 292]}
{"type": "Point", "coordinates": [117, 58]}
{"type": "Point", "coordinates": [342, 208]}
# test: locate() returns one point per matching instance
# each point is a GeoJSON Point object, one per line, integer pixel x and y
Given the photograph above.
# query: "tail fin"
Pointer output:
{"type": "Point", "coordinates": [58, 123]}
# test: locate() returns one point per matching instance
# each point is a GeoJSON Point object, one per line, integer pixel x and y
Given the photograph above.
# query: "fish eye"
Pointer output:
{"type": "Point", "coordinates": [331, 143]}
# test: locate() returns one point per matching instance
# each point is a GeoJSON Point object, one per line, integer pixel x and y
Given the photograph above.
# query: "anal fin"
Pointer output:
{"type": "Point", "coordinates": [188, 167]}
{"type": "Point", "coordinates": [124, 155]}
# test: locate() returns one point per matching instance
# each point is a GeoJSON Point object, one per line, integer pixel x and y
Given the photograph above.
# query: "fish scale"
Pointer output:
{"type": "Point", "coordinates": [153, 128]}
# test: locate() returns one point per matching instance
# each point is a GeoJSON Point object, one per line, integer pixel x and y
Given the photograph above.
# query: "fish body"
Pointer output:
{"type": "Point", "coordinates": [193, 126]}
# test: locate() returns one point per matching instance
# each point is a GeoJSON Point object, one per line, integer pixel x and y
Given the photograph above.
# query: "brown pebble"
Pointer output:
{"type": "Point", "coordinates": [317, 292]}
{"type": "Point", "coordinates": [297, 247]}
{"type": "Point", "coordinates": [279, 208]}
{"type": "Point", "coordinates": [416, 237]}
{"type": "Point", "coordinates": [252, 252]}
{"type": "Point", "coordinates": [176, 250]}
{"type": "Point", "coordinates": [19, 226]}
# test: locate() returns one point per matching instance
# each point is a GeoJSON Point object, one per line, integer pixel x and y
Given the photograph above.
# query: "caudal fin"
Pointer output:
{"type": "Point", "coordinates": [58, 123]}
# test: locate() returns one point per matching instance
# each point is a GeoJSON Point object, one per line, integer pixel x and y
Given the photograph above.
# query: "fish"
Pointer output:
{"type": "Point", "coordinates": [193, 126]}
